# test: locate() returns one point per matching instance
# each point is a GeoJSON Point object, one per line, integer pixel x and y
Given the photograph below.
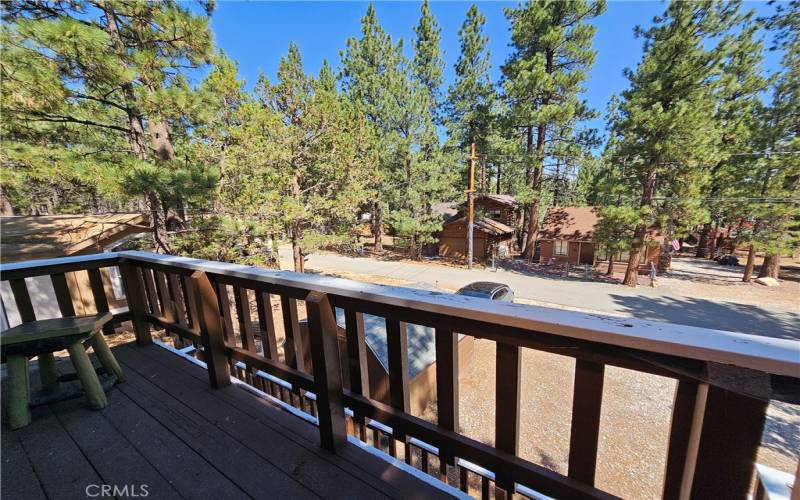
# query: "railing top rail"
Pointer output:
{"type": "Point", "coordinates": [40, 267]}
{"type": "Point", "coordinates": [769, 355]}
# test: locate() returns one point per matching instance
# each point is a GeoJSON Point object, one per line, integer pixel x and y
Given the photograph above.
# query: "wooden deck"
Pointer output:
{"type": "Point", "coordinates": [167, 429]}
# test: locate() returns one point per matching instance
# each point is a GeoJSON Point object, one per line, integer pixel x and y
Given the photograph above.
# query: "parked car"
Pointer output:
{"type": "Point", "coordinates": [488, 290]}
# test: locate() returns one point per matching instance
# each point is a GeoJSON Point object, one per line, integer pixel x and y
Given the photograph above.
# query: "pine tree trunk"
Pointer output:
{"type": "Point", "coordinates": [276, 251]}
{"type": "Point", "coordinates": [377, 230]}
{"type": "Point", "coordinates": [702, 244]}
{"type": "Point", "coordinates": [610, 270]}
{"type": "Point", "coordinates": [748, 268]}
{"type": "Point", "coordinates": [712, 243]}
{"type": "Point", "coordinates": [771, 266]}
{"type": "Point", "coordinates": [297, 255]}
{"type": "Point", "coordinates": [5, 206]}
{"type": "Point", "coordinates": [157, 224]}
{"type": "Point", "coordinates": [632, 271]}
{"type": "Point", "coordinates": [535, 183]}
{"type": "Point", "coordinates": [665, 256]}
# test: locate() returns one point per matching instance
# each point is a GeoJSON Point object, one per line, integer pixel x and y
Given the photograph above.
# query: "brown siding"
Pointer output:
{"type": "Point", "coordinates": [453, 242]}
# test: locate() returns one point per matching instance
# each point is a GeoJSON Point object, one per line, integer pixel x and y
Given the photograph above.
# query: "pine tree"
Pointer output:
{"type": "Point", "coordinates": [429, 175]}
{"type": "Point", "coordinates": [665, 128]}
{"type": "Point", "coordinates": [739, 88]}
{"type": "Point", "coordinates": [106, 80]}
{"type": "Point", "coordinates": [543, 77]}
{"type": "Point", "coordinates": [471, 98]}
{"type": "Point", "coordinates": [776, 230]}
{"type": "Point", "coordinates": [313, 167]}
{"type": "Point", "coordinates": [373, 77]}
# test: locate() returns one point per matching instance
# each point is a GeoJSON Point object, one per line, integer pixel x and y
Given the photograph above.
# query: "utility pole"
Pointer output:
{"type": "Point", "coordinates": [471, 204]}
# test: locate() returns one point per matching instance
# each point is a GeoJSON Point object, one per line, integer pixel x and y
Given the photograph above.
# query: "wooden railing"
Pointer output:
{"type": "Point", "coordinates": [724, 380]}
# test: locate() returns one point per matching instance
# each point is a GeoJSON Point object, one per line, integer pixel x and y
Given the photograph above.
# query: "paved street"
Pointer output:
{"type": "Point", "coordinates": [736, 313]}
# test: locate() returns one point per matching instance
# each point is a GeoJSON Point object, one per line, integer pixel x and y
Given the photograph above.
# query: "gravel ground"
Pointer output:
{"type": "Point", "coordinates": [634, 425]}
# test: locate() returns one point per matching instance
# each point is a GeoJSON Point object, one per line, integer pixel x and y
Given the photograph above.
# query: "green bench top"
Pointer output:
{"type": "Point", "coordinates": [53, 328]}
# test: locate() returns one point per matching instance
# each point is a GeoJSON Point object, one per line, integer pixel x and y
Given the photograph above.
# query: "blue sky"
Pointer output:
{"type": "Point", "coordinates": [257, 34]}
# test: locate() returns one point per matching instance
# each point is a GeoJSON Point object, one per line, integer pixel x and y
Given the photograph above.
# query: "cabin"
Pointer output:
{"type": "Point", "coordinates": [566, 236]}
{"type": "Point", "coordinates": [487, 234]}
{"type": "Point", "coordinates": [43, 237]}
{"type": "Point", "coordinates": [500, 207]}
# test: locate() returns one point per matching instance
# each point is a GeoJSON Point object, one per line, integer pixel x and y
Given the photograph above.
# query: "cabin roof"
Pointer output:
{"type": "Point", "coordinates": [486, 225]}
{"type": "Point", "coordinates": [569, 223]}
{"type": "Point", "coordinates": [48, 236]}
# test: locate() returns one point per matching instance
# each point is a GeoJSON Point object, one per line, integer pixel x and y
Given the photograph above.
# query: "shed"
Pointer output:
{"type": "Point", "coordinates": [486, 232]}
{"type": "Point", "coordinates": [44, 237]}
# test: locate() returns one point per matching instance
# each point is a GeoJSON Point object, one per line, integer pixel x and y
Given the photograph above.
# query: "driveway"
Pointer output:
{"type": "Point", "coordinates": [672, 301]}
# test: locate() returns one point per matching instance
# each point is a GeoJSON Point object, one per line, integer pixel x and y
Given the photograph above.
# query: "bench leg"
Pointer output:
{"type": "Point", "coordinates": [47, 372]}
{"type": "Point", "coordinates": [106, 357]}
{"type": "Point", "coordinates": [19, 412]}
{"type": "Point", "coordinates": [91, 384]}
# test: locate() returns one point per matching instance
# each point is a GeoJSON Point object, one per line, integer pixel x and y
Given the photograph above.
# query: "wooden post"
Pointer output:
{"type": "Point", "coordinates": [447, 385]}
{"type": "Point", "coordinates": [507, 387]}
{"type": "Point", "coordinates": [471, 204]}
{"type": "Point", "coordinates": [723, 442]}
{"type": "Point", "coordinates": [214, 349]}
{"type": "Point", "coordinates": [327, 371]}
{"type": "Point", "coordinates": [134, 294]}
{"type": "Point", "coordinates": [586, 403]}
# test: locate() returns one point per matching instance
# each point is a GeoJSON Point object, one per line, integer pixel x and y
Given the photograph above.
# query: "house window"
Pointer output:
{"type": "Point", "coordinates": [560, 247]}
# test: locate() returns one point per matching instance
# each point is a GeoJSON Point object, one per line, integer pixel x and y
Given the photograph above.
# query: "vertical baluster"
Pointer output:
{"type": "Point", "coordinates": [266, 323]}
{"type": "Point", "coordinates": [680, 428]}
{"type": "Point", "coordinates": [485, 487]}
{"type": "Point", "coordinates": [245, 325]}
{"type": "Point", "coordinates": [23, 300]}
{"type": "Point", "coordinates": [397, 345]}
{"type": "Point", "coordinates": [357, 357]}
{"type": "Point", "coordinates": [586, 404]}
{"type": "Point", "coordinates": [63, 296]}
{"type": "Point", "coordinates": [463, 479]}
{"type": "Point", "coordinates": [167, 308]}
{"type": "Point", "coordinates": [176, 294]}
{"type": "Point", "coordinates": [99, 295]}
{"type": "Point", "coordinates": [150, 288]}
{"type": "Point", "coordinates": [191, 305]}
{"type": "Point", "coordinates": [507, 382]}
{"type": "Point", "coordinates": [324, 346]}
{"type": "Point", "coordinates": [292, 345]}
{"type": "Point", "coordinates": [135, 296]}
{"type": "Point", "coordinates": [211, 330]}
{"type": "Point", "coordinates": [426, 461]}
{"type": "Point", "coordinates": [227, 321]}
{"type": "Point", "coordinates": [447, 385]}
{"type": "Point", "coordinates": [723, 443]}
{"type": "Point", "coordinates": [376, 439]}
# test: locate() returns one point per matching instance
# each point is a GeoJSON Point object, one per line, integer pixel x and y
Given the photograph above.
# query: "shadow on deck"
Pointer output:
{"type": "Point", "coordinates": [166, 429]}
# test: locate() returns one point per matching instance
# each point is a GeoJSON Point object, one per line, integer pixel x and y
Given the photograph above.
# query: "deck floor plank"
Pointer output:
{"type": "Point", "coordinates": [62, 469]}
{"type": "Point", "coordinates": [167, 428]}
{"type": "Point", "coordinates": [183, 467]}
{"type": "Point", "coordinates": [246, 432]}
{"type": "Point", "coordinates": [18, 477]}
{"type": "Point", "coordinates": [392, 481]}
{"type": "Point", "coordinates": [247, 469]}
{"type": "Point", "coordinates": [113, 456]}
